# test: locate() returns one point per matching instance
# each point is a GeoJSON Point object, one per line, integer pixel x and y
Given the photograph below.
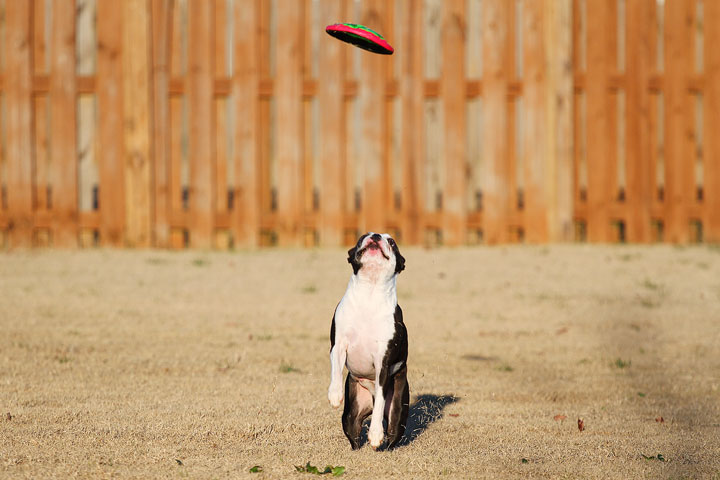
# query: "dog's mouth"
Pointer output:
{"type": "Point", "coordinates": [372, 246]}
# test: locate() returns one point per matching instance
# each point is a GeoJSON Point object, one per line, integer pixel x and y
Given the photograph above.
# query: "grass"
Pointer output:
{"type": "Point", "coordinates": [226, 367]}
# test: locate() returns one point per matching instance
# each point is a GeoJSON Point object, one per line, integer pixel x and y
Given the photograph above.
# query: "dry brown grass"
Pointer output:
{"type": "Point", "coordinates": [124, 364]}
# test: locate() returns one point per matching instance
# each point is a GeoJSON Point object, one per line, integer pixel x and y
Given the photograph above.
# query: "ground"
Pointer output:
{"type": "Point", "coordinates": [156, 364]}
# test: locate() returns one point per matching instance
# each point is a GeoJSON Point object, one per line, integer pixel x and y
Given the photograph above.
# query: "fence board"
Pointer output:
{"type": "Point", "coordinates": [679, 169]}
{"type": "Point", "coordinates": [42, 152]}
{"type": "Point", "coordinates": [136, 119]}
{"type": "Point", "coordinates": [289, 134]}
{"type": "Point", "coordinates": [331, 122]}
{"type": "Point", "coordinates": [534, 152]}
{"type": "Point", "coordinates": [599, 150]}
{"type": "Point", "coordinates": [161, 25]}
{"type": "Point", "coordinates": [712, 121]}
{"type": "Point", "coordinates": [200, 97]}
{"type": "Point", "coordinates": [110, 132]}
{"type": "Point", "coordinates": [496, 23]}
{"type": "Point", "coordinates": [413, 132]}
{"type": "Point", "coordinates": [63, 135]}
{"type": "Point", "coordinates": [18, 107]}
{"type": "Point", "coordinates": [453, 53]}
{"type": "Point", "coordinates": [246, 223]}
{"type": "Point", "coordinates": [638, 147]}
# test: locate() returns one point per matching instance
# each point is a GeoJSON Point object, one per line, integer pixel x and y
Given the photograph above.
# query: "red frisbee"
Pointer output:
{"type": "Point", "coordinates": [360, 36]}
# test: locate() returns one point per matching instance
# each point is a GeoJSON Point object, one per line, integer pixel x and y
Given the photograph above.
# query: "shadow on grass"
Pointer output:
{"type": "Point", "coordinates": [426, 410]}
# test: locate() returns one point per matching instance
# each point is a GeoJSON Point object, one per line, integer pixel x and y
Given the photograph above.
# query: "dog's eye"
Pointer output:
{"type": "Point", "coordinates": [391, 242]}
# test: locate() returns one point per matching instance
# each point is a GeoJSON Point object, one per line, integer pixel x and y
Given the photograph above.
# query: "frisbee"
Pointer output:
{"type": "Point", "coordinates": [360, 36]}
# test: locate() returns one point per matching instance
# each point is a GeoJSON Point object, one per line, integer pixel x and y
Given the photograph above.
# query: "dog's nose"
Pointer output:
{"type": "Point", "coordinates": [376, 237]}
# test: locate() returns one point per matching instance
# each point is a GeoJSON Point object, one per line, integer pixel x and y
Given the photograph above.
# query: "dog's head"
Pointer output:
{"type": "Point", "coordinates": [378, 253]}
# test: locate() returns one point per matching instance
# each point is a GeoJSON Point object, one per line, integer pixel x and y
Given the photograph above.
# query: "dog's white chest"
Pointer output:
{"type": "Point", "coordinates": [367, 332]}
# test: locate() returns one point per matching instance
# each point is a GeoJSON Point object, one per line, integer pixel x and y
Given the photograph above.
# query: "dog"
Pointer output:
{"type": "Point", "coordinates": [368, 336]}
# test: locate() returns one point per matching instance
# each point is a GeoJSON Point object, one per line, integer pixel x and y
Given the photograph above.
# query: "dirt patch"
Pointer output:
{"type": "Point", "coordinates": [159, 364]}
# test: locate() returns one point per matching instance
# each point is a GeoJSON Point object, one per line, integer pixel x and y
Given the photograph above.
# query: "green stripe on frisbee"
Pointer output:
{"type": "Point", "coordinates": [360, 36]}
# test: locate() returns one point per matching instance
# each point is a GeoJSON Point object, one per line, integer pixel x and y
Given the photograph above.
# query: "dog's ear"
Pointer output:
{"type": "Point", "coordinates": [399, 259]}
{"type": "Point", "coordinates": [352, 259]}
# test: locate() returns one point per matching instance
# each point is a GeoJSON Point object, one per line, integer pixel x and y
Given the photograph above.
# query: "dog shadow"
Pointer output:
{"type": "Point", "coordinates": [424, 411]}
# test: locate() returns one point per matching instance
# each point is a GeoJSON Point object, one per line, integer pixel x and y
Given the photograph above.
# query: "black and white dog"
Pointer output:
{"type": "Point", "coordinates": [368, 336]}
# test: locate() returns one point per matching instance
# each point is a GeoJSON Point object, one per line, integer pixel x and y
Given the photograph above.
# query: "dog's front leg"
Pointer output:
{"type": "Point", "coordinates": [338, 355]}
{"type": "Point", "coordinates": [375, 433]}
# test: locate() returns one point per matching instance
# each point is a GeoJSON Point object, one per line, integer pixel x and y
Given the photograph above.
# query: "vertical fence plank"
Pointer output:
{"type": "Point", "coordinates": [557, 40]}
{"type": "Point", "coordinates": [453, 98]}
{"type": "Point", "coordinates": [63, 136]}
{"type": "Point", "coordinates": [413, 131]}
{"type": "Point", "coordinates": [712, 121]}
{"type": "Point", "coordinates": [18, 105]}
{"type": "Point", "coordinates": [289, 134]}
{"type": "Point", "coordinates": [637, 68]}
{"type": "Point", "coordinates": [679, 167]}
{"type": "Point", "coordinates": [110, 106]}
{"type": "Point", "coordinates": [371, 104]}
{"type": "Point", "coordinates": [331, 123]}
{"type": "Point", "coordinates": [535, 161]}
{"type": "Point", "coordinates": [246, 75]}
{"type": "Point", "coordinates": [136, 119]}
{"type": "Point", "coordinates": [161, 24]}
{"type": "Point", "coordinates": [496, 21]}
{"type": "Point", "coordinates": [200, 95]}
{"type": "Point", "coordinates": [599, 150]}
{"type": "Point", "coordinates": [42, 151]}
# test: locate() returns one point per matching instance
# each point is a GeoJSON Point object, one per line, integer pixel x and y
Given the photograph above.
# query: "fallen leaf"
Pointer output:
{"type": "Point", "coordinates": [179, 462]}
{"type": "Point", "coordinates": [453, 414]}
{"type": "Point", "coordinates": [256, 469]}
{"type": "Point", "coordinates": [581, 424]}
{"type": "Point", "coordinates": [561, 331]}
{"type": "Point", "coordinates": [525, 460]}
{"type": "Point", "coordinates": [559, 417]}
{"type": "Point", "coordinates": [8, 417]}
{"type": "Point", "coordinates": [660, 420]}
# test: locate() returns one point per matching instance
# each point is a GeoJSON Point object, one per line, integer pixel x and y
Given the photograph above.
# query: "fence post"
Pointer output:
{"type": "Point", "coordinates": [712, 122]}
{"type": "Point", "coordinates": [496, 55]}
{"type": "Point", "coordinates": [452, 90]}
{"type": "Point", "coordinates": [136, 120]}
{"type": "Point", "coordinates": [18, 103]}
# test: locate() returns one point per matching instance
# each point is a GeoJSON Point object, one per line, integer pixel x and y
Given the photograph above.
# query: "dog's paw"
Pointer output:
{"type": "Point", "coordinates": [375, 436]}
{"type": "Point", "coordinates": [335, 396]}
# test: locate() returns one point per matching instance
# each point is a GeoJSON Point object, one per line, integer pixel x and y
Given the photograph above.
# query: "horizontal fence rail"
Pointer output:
{"type": "Point", "coordinates": [240, 123]}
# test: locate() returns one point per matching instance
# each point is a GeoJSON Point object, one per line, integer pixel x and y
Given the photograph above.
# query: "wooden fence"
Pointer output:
{"type": "Point", "coordinates": [218, 123]}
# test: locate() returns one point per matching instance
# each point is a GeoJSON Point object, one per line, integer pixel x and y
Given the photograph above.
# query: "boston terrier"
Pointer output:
{"type": "Point", "coordinates": [368, 336]}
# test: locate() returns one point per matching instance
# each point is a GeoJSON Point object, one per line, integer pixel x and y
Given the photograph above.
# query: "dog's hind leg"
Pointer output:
{"type": "Point", "coordinates": [358, 405]}
{"type": "Point", "coordinates": [399, 407]}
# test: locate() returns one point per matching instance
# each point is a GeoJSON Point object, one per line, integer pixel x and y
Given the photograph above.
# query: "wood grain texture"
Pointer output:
{"type": "Point", "coordinates": [17, 90]}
